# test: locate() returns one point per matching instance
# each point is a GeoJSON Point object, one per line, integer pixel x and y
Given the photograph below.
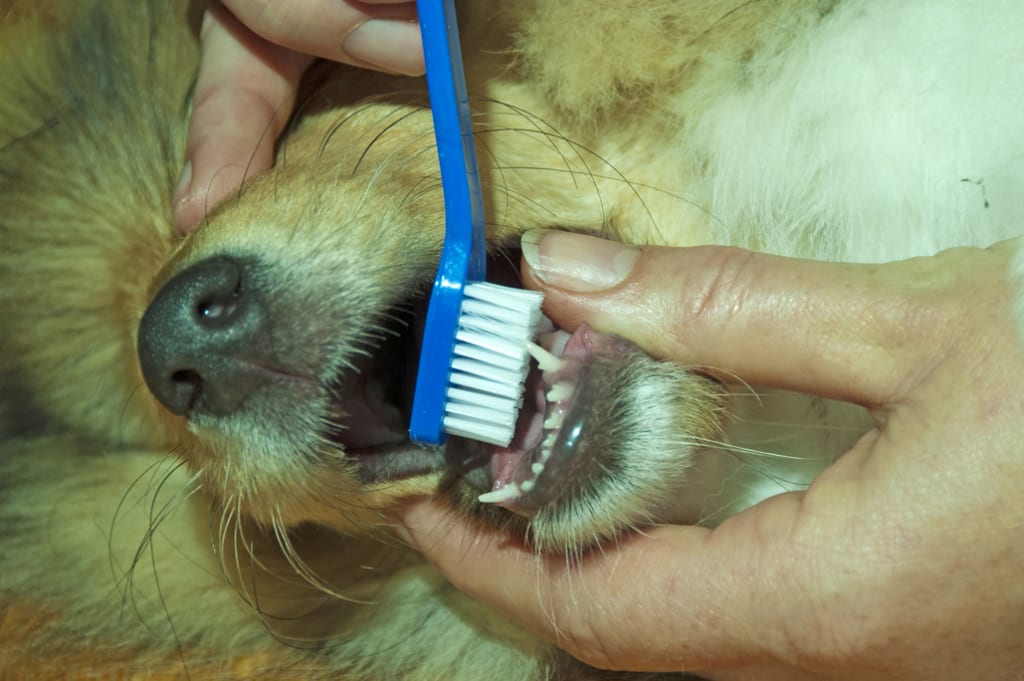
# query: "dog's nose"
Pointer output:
{"type": "Point", "coordinates": [198, 337]}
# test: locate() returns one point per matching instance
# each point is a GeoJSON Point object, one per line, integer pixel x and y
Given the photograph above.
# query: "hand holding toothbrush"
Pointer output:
{"type": "Point", "coordinates": [253, 54]}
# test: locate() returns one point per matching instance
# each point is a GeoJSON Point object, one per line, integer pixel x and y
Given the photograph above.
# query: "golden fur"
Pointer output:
{"type": "Point", "coordinates": [832, 129]}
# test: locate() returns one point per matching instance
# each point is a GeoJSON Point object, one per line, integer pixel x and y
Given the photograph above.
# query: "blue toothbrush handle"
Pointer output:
{"type": "Point", "coordinates": [464, 256]}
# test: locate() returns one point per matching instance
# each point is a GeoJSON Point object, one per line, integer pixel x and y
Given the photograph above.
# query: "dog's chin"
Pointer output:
{"type": "Point", "coordinates": [549, 470]}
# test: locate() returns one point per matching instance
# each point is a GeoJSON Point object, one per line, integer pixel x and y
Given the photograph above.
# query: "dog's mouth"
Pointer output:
{"type": "Point", "coordinates": [372, 398]}
{"type": "Point", "coordinates": [372, 402]}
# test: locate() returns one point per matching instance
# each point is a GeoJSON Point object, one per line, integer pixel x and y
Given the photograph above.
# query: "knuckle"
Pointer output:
{"type": "Point", "coordinates": [822, 638]}
{"type": "Point", "coordinates": [588, 645]}
{"type": "Point", "coordinates": [720, 297]}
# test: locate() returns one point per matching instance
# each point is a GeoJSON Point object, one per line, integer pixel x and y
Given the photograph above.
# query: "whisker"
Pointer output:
{"type": "Point", "coordinates": [300, 566]}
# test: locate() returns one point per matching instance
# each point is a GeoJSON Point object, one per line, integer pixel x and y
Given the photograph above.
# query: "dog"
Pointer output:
{"type": "Point", "coordinates": [204, 436]}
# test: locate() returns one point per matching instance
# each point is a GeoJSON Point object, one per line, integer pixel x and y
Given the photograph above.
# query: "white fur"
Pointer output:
{"type": "Point", "coordinates": [831, 159]}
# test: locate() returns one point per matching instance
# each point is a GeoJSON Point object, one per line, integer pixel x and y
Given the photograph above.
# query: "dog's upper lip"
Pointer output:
{"type": "Point", "coordinates": [367, 395]}
{"type": "Point", "coordinates": [407, 460]}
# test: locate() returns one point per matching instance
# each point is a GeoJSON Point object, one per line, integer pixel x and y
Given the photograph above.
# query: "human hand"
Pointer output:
{"type": "Point", "coordinates": [903, 560]}
{"type": "Point", "coordinates": [253, 53]}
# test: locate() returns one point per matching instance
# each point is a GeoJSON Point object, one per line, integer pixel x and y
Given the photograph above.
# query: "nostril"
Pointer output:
{"type": "Point", "coordinates": [188, 386]}
{"type": "Point", "coordinates": [187, 376]}
{"type": "Point", "coordinates": [219, 309]}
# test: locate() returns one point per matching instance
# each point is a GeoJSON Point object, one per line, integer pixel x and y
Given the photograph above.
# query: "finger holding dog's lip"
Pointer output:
{"type": "Point", "coordinates": [834, 578]}
{"type": "Point", "coordinates": [801, 325]}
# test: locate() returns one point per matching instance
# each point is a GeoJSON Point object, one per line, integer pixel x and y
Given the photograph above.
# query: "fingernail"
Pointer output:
{"type": "Point", "coordinates": [388, 44]}
{"type": "Point", "coordinates": [577, 262]}
{"type": "Point", "coordinates": [184, 183]}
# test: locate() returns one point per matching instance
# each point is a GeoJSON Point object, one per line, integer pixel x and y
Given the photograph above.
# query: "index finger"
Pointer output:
{"type": "Point", "coordinates": [862, 333]}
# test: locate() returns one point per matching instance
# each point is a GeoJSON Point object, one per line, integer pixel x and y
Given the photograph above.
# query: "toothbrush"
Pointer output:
{"type": "Point", "coordinates": [474, 358]}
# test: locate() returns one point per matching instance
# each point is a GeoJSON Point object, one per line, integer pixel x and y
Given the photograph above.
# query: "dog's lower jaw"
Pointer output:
{"type": "Point", "coordinates": [630, 465]}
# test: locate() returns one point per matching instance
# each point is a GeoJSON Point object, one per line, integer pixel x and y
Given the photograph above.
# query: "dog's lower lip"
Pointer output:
{"type": "Point", "coordinates": [398, 462]}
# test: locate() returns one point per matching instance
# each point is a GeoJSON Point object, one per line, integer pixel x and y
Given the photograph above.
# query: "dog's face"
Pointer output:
{"type": "Point", "coordinates": [284, 335]}
{"type": "Point", "coordinates": [274, 348]}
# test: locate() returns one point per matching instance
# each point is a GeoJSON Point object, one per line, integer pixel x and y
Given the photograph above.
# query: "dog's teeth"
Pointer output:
{"type": "Point", "coordinates": [497, 496]}
{"type": "Point", "coordinates": [545, 360]}
{"type": "Point", "coordinates": [537, 468]}
{"type": "Point", "coordinates": [554, 422]}
{"type": "Point", "coordinates": [559, 392]}
{"type": "Point", "coordinates": [527, 485]}
{"type": "Point", "coordinates": [547, 446]}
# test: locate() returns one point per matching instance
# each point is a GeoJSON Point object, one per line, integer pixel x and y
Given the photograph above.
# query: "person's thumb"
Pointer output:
{"type": "Point", "coordinates": [838, 330]}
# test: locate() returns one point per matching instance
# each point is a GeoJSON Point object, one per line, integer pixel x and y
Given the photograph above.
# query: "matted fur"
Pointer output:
{"type": "Point", "coordinates": [835, 129]}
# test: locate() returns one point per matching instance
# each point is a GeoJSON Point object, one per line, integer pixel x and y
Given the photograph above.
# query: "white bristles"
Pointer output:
{"type": "Point", "coordinates": [463, 349]}
{"type": "Point", "coordinates": [491, 361]}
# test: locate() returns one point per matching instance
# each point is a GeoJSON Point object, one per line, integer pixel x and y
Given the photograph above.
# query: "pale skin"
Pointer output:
{"type": "Point", "coordinates": [902, 561]}
{"type": "Point", "coordinates": [253, 54]}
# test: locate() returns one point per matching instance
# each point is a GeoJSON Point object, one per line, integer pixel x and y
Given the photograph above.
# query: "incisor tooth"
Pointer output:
{"type": "Point", "coordinates": [559, 392]}
{"type": "Point", "coordinates": [547, 446]}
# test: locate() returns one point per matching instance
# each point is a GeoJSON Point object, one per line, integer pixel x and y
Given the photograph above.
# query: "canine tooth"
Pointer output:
{"type": "Point", "coordinates": [527, 485]}
{"type": "Point", "coordinates": [545, 360]}
{"type": "Point", "coordinates": [559, 392]}
{"type": "Point", "coordinates": [497, 496]}
{"type": "Point", "coordinates": [537, 468]}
